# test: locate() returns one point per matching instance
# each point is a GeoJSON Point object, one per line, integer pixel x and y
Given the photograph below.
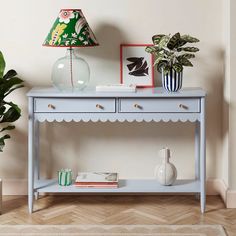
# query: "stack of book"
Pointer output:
{"type": "Point", "coordinates": [96, 180]}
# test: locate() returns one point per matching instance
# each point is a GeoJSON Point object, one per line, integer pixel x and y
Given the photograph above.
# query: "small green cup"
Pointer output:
{"type": "Point", "coordinates": [65, 177]}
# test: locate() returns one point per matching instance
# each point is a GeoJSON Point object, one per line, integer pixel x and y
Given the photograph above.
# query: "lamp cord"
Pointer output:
{"type": "Point", "coordinates": [71, 71]}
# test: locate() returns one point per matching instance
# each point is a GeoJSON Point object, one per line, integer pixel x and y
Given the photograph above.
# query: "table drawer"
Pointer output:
{"type": "Point", "coordinates": [159, 105]}
{"type": "Point", "coordinates": [92, 105]}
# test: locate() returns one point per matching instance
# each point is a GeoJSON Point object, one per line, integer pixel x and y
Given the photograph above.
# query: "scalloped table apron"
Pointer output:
{"type": "Point", "coordinates": [146, 105]}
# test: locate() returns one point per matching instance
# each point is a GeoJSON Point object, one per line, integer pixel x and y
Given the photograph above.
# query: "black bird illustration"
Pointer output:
{"type": "Point", "coordinates": [136, 63]}
{"type": "Point", "coordinates": [140, 71]}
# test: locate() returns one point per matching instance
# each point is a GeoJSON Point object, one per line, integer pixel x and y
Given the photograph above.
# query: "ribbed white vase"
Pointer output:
{"type": "Point", "coordinates": [165, 173]}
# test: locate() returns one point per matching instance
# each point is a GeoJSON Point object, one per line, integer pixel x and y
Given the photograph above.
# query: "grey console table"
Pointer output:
{"type": "Point", "coordinates": [48, 104]}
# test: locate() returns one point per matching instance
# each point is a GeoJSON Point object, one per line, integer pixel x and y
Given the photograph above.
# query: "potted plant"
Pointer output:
{"type": "Point", "coordinates": [9, 111]}
{"type": "Point", "coordinates": [171, 55]}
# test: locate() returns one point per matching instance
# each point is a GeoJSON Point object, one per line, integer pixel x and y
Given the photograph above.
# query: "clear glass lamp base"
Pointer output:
{"type": "Point", "coordinates": [70, 73]}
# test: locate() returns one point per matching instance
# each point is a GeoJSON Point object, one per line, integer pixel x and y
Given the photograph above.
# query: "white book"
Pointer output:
{"type": "Point", "coordinates": [96, 177]}
{"type": "Point", "coordinates": [116, 88]}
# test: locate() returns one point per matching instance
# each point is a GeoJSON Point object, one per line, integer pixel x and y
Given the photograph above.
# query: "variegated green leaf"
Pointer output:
{"type": "Point", "coordinates": [164, 41]}
{"type": "Point", "coordinates": [188, 49]}
{"type": "Point", "coordinates": [189, 39]}
{"type": "Point", "coordinates": [178, 67]}
{"type": "Point", "coordinates": [184, 61]}
{"type": "Point", "coordinates": [157, 38]}
{"type": "Point", "coordinates": [161, 65]}
{"type": "Point", "coordinates": [166, 69]}
{"type": "Point", "coordinates": [152, 49]}
{"type": "Point", "coordinates": [181, 43]}
{"type": "Point", "coordinates": [158, 59]}
{"type": "Point", "coordinates": [174, 41]}
{"type": "Point", "coordinates": [187, 56]}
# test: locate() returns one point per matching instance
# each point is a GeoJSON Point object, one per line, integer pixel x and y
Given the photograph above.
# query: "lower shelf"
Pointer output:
{"type": "Point", "coordinates": [125, 186]}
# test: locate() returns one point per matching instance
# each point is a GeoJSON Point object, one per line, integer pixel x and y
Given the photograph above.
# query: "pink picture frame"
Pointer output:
{"type": "Point", "coordinates": [136, 65]}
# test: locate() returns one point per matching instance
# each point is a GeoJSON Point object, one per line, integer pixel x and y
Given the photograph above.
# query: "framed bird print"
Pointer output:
{"type": "Point", "coordinates": [136, 65]}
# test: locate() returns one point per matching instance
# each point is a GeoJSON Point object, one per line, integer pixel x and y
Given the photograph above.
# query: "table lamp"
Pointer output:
{"type": "Point", "coordinates": [70, 30]}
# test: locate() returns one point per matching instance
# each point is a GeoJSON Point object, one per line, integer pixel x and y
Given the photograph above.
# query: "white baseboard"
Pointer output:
{"type": "Point", "coordinates": [14, 186]}
{"type": "Point", "coordinates": [217, 187]}
{"type": "Point", "coordinates": [231, 199]}
{"type": "Point", "coordinates": [214, 187]}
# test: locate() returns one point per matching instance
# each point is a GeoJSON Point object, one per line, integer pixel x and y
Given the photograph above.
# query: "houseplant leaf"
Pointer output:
{"type": "Point", "coordinates": [157, 38]}
{"type": "Point", "coordinates": [174, 41]}
{"type": "Point", "coordinates": [188, 49]}
{"type": "Point", "coordinates": [190, 39]}
{"type": "Point", "coordinates": [166, 69]}
{"type": "Point", "coordinates": [181, 43]}
{"type": "Point", "coordinates": [11, 115]}
{"type": "Point", "coordinates": [2, 141]}
{"type": "Point", "coordinates": [163, 42]}
{"type": "Point", "coordinates": [9, 127]}
{"type": "Point", "coordinates": [158, 59]}
{"type": "Point", "coordinates": [11, 90]}
{"type": "Point", "coordinates": [184, 61]}
{"type": "Point", "coordinates": [187, 56]}
{"type": "Point", "coordinates": [14, 106]}
{"type": "Point", "coordinates": [2, 109]}
{"type": "Point", "coordinates": [152, 49]}
{"type": "Point", "coordinates": [9, 112]}
{"type": "Point", "coordinates": [10, 74]}
{"type": "Point", "coordinates": [161, 65]}
{"type": "Point", "coordinates": [2, 64]}
{"type": "Point", "coordinates": [8, 84]}
{"type": "Point", "coordinates": [178, 67]}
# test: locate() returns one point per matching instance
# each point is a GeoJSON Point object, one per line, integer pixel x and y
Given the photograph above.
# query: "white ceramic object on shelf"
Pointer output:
{"type": "Point", "coordinates": [165, 173]}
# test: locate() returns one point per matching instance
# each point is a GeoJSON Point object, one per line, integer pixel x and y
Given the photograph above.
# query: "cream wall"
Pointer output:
{"type": "Point", "coordinates": [130, 149]}
{"type": "Point", "coordinates": [226, 98]}
{"type": "Point", "coordinates": [229, 105]}
{"type": "Point", "coordinates": [232, 95]}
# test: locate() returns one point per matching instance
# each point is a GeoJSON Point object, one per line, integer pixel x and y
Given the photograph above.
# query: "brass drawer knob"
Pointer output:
{"type": "Point", "coordinates": [99, 106]}
{"type": "Point", "coordinates": [183, 106]}
{"type": "Point", "coordinates": [51, 106]}
{"type": "Point", "coordinates": [137, 106]}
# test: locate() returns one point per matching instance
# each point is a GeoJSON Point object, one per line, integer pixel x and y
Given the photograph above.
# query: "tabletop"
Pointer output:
{"type": "Point", "coordinates": [91, 92]}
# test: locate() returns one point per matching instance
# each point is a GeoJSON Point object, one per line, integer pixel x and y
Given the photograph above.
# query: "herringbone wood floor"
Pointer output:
{"type": "Point", "coordinates": [118, 210]}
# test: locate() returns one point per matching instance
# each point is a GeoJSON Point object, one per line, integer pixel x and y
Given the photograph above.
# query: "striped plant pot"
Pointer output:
{"type": "Point", "coordinates": [172, 81]}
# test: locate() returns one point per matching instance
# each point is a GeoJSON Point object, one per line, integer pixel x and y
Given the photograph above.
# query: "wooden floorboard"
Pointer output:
{"type": "Point", "coordinates": [118, 210]}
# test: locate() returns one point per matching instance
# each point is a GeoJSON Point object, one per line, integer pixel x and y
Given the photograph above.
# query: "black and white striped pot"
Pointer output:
{"type": "Point", "coordinates": [172, 81]}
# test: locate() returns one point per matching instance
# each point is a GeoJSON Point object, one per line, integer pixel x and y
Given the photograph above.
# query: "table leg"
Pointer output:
{"type": "Point", "coordinates": [203, 156]}
{"type": "Point", "coordinates": [197, 154]}
{"type": "Point", "coordinates": [31, 156]}
{"type": "Point", "coordinates": [36, 155]}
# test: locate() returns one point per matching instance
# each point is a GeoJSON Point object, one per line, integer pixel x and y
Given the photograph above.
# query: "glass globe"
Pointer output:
{"type": "Point", "coordinates": [70, 73]}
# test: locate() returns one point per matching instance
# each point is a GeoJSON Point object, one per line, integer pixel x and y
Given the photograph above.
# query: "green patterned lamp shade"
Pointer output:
{"type": "Point", "coordinates": [70, 30]}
